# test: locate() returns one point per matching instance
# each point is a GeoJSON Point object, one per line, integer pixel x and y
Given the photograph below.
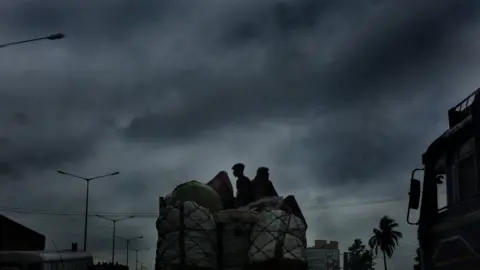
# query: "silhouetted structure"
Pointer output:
{"type": "Point", "coordinates": [52, 259]}
{"type": "Point", "coordinates": [448, 234]}
{"type": "Point", "coordinates": [15, 236]}
{"type": "Point", "coordinates": [244, 187]}
{"type": "Point", "coordinates": [262, 186]}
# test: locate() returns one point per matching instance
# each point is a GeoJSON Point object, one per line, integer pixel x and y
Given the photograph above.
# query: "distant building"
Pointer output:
{"type": "Point", "coordinates": [108, 266]}
{"type": "Point", "coordinates": [15, 236]}
{"type": "Point", "coordinates": [323, 255]}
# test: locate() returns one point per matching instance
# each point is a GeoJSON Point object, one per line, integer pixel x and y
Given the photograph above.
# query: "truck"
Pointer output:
{"type": "Point", "coordinates": [15, 236]}
{"type": "Point", "coordinates": [449, 235]}
{"type": "Point", "coordinates": [45, 260]}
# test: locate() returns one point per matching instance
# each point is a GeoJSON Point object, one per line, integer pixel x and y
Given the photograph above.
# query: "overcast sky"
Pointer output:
{"type": "Point", "coordinates": [338, 98]}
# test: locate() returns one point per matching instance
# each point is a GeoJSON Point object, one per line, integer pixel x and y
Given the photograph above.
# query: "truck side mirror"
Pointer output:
{"type": "Point", "coordinates": [414, 194]}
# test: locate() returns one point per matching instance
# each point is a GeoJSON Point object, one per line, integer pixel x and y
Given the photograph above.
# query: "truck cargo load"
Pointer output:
{"type": "Point", "coordinates": [195, 231]}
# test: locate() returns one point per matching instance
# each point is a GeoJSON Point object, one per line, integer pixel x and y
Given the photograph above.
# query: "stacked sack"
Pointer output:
{"type": "Point", "coordinates": [234, 229]}
{"type": "Point", "coordinates": [187, 230]}
{"type": "Point", "coordinates": [199, 229]}
{"type": "Point", "coordinates": [278, 237]}
{"type": "Point", "coordinates": [233, 226]}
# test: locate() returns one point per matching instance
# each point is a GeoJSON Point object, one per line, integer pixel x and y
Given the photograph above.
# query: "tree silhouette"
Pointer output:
{"type": "Point", "coordinates": [385, 238]}
{"type": "Point", "coordinates": [359, 257]}
{"type": "Point", "coordinates": [417, 260]}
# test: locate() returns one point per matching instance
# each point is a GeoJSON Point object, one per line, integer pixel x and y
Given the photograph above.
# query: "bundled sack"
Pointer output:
{"type": "Point", "coordinates": [187, 237]}
{"type": "Point", "coordinates": [265, 204]}
{"type": "Point", "coordinates": [222, 185]}
{"type": "Point", "coordinates": [233, 231]}
{"type": "Point", "coordinates": [199, 193]}
{"type": "Point", "coordinates": [277, 236]}
{"type": "Point", "coordinates": [291, 206]}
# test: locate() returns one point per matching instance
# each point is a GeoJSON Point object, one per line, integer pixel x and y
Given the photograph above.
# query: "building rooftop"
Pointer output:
{"type": "Point", "coordinates": [324, 244]}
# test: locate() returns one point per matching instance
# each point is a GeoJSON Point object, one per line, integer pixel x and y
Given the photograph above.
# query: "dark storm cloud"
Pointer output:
{"type": "Point", "coordinates": [383, 62]}
{"type": "Point", "coordinates": [292, 83]}
{"type": "Point", "coordinates": [279, 19]}
{"type": "Point", "coordinates": [37, 136]}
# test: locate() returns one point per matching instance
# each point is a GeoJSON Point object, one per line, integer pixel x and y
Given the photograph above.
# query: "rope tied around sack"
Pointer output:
{"type": "Point", "coordinates": [177, 223]}
{"type": "Point", "coordinates": [279, 227]}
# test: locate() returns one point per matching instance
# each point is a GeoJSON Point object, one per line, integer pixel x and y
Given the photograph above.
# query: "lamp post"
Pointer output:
{"type": "Point", "coordinates": [114, 221]}
{"type": "Point", "coordinates": [136, 256]}
{"type": "Point", "coordinates": [86, 203]}
{"type": "Point", "coordinates": [49, 37]}
{"type": "Point", "coordinates": [128, 240]}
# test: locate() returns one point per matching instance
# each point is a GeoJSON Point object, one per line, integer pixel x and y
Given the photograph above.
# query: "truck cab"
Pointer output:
{"type": "Point", "coordinates": [449, 235]}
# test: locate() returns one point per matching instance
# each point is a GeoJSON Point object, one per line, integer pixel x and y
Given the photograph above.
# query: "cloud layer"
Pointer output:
{"type": "Point", "coordinates": [339, 99]}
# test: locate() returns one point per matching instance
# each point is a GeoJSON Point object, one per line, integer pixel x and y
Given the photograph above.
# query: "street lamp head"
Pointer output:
{"type": "Point", "coordinates": [56, 36]}
{"type": "Point", "coordinates": [115, 173]}
{"type": "Point", "coordinates": [60, 172]}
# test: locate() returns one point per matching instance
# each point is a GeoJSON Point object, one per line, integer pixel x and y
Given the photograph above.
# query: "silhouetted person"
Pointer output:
{"type": "Point", "coordinates": [244, 189]}
{"type": "Point", "coordinates": [262, 186]}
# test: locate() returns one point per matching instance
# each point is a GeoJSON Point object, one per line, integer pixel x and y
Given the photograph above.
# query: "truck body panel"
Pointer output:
{"type": "Point", "coordinates": [15, 236]}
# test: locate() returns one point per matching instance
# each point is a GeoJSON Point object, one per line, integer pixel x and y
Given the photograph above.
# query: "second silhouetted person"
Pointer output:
{"type": "Point", "coordinates": [262, 186]}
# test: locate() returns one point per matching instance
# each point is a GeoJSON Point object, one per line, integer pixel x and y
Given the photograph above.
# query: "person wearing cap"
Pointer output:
{"type": "Point", "coordinates": [244, 190]}
{"type": "Point", "coordinates": [262, 186]}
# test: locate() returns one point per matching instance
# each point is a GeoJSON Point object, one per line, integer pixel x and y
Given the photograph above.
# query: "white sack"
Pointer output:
{"type": "Point", "coordinates": [199, 236]}
{"type": "Point", "coordinates": [235, 236]}
{"type": "Point", "coordinates": [277, 229]}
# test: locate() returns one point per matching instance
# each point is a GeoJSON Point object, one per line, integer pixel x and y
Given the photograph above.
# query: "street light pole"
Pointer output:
{"type": "Point", "coordinates": [136, 257]}
{"type": "Point", "coordinates": [49, 37]}
{"type": "Point", "coordinates": [86, 203]}
{"type": "Point", "coordinates": [114, 221]}
{"type": "Point", "coordinates": [128, 243]}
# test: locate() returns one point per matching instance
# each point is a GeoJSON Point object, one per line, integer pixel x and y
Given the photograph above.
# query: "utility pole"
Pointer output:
{"type": "Point", "coordinates": [136, 257]}
{"type": "Point", "coordinates": [114, 221]}
{"type": "Point", "coordinates": [86, 203]}
{"type": "Point", "coordinates": [128, 240]}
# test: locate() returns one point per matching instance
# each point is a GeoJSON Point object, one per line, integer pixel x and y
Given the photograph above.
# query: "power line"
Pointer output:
{"type": "Point", "coordinates": [62, 213]}
{"type": "Point", "coordinates": [155, 214]}
{"type": "Point", "coordinates": [356, 204]}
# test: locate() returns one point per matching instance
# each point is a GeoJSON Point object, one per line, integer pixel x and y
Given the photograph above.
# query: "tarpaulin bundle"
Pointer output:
{"type": "Point", "coordinates": [186, 237]}
{"type": "Point", "coordinates": [277, 236]}
{"type": "Point", "coordinates": [223, 186]}
{"type": "Point", "coordinates": [291, 206]}
{"type": "Point", "coordinates": [199, 193]}
{"type": "Point", "coordinates": [233, 231]}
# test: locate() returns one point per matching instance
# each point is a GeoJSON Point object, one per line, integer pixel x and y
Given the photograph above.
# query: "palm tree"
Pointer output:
{"type": "Point", "coordinates": [385, 238]}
